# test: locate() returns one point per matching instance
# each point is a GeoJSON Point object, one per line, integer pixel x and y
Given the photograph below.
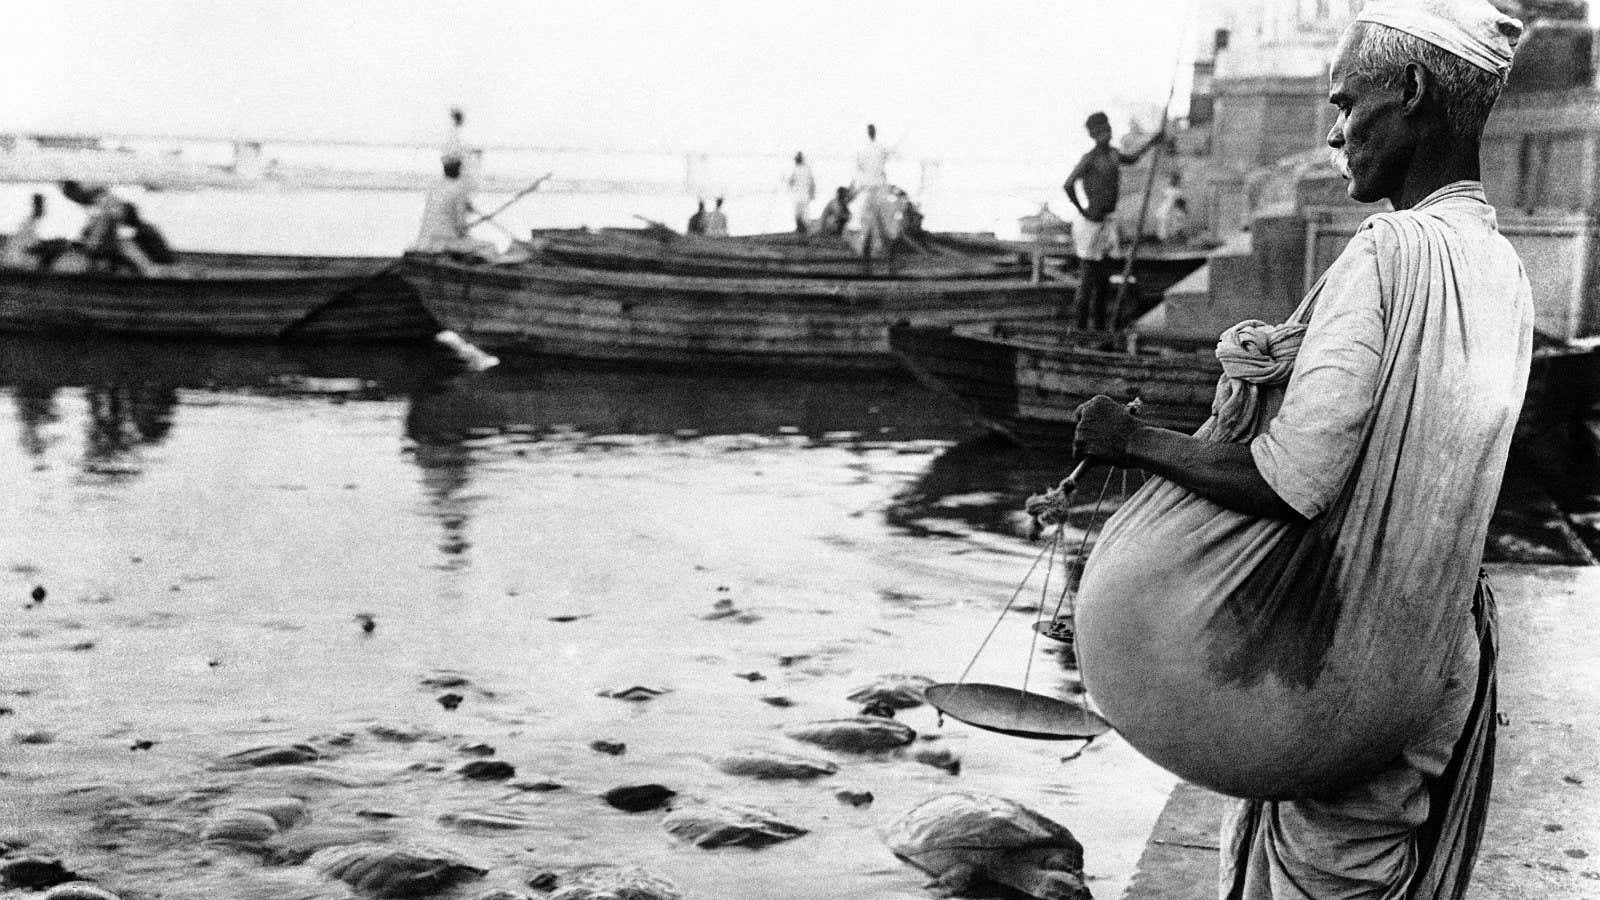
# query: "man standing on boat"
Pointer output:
{"type": "Point", "coordinates": [445, 212]}
{"type": "Point", "coordinates": [1095, 237]}
{"type": "Point", "coordinates": [802, 187]}
{"type": "Point", "coordinates": [1398, 416]}
{"type": "Point", "coordinates": [875, 206]}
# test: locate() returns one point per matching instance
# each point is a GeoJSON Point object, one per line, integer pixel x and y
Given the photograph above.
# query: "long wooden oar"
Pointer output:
{"type": "Point", "coordinates": [507, 205]}
{"type": "Point", "coordinates": [298, 325]}
{"type": "Point", "coordinates": [1144, 203]}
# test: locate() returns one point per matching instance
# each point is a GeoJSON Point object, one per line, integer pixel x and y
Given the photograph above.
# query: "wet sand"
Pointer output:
{"type": "Point", "coordinates": [207, 543]}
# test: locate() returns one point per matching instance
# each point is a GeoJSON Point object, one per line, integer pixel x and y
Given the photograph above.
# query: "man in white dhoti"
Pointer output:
{"type": "Point", "coordinates": [802, 186]}
{"type": "Point", "coordinates": [1096, 236]}
{"type": "Point", "coordinates": [875, 208]}
{"type": "Point", "coordinates": [1390, 443]}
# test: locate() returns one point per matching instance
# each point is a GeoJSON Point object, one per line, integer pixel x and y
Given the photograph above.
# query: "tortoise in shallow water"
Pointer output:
{"type": "Point", "coordinates": [963, 839]}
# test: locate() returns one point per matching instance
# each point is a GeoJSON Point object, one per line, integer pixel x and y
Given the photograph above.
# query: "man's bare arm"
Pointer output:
{"type": "Point", "coordinates": [1225, 474]}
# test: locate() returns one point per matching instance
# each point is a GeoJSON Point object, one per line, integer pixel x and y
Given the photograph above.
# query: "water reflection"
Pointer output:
{"type": "Point", "coordinates": [36, 412]}
{"type": "Point", "coordinates": [122, 419]}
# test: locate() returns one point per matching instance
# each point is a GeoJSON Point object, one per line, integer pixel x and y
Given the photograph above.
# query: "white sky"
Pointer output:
{"type": "Point", "coordinates": [1002, 79]}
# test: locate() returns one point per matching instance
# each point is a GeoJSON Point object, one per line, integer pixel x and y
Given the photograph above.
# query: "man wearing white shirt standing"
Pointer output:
{"type": "Point", "coordinates": [802, 190]}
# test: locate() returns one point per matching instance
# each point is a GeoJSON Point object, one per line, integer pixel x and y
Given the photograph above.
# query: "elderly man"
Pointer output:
{"type": "Point", "coordinates": [1401, 404]}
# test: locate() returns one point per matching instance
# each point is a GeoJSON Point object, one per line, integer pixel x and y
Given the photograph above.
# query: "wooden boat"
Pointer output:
{"type": "Point", "coordinates": [1025, 379]}
{"type": "Point", "coordinates": [222, 295]}
{"type": "Point", "coordinates": [650, 318]}
{"type": "Point", "coordinates": [712, 257]}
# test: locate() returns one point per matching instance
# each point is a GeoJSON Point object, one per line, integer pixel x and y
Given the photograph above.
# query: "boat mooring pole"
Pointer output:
{"type": "Point", "coordinates": [1144, 204]}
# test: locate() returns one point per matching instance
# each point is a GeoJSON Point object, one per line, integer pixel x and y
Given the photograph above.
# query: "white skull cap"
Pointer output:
{"type": "Point", "coordinates": [1470, 29]}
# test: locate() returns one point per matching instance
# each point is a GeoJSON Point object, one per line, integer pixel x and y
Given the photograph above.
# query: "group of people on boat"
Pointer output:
{"type": "Point", "coordinates": [115, 237]}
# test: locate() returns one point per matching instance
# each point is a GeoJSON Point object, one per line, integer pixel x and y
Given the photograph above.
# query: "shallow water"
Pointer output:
{"type": "Point", "coordinates": [210, 520]}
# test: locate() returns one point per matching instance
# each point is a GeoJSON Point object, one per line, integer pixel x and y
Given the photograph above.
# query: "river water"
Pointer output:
{"type": "Point", "coordinates": [209, 521]}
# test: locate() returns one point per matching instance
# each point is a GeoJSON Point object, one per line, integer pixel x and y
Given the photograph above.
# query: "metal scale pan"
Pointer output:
{"type": "Point", "coordinates": [1016, 713]}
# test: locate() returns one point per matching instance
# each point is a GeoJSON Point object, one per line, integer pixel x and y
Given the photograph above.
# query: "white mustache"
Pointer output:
{"type": "Point", "coordinates": [1340, 162]}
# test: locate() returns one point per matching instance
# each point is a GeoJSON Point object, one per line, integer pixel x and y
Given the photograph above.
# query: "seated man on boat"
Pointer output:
{"type": "Point", "coordinates": [1096, 237]}
{"type": "Point", "coordinates": [717, 221]}
{"type": "Point", "coordinates": [697, 220]}
{"type": "Point", "coordinates": [836, 215]}
{"type": "Point", "coordinates": [445, 223]}
{"type": "Point", "coordinates": [100, 241]}
{"type": "Point", "coordinates": [23, 245]}
{"type": "Point", "coordinates": [147, 247]}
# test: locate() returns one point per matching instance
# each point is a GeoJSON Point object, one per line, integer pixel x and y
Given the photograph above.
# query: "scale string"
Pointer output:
{"type": "Point", "coordinates": [1007, 608]}
{"type": "Point", "coordinates": [1044, 597]}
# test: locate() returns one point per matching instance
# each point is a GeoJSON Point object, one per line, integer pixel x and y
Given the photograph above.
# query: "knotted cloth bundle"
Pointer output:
{"type": "Point", "coordinates": [1253, 355]}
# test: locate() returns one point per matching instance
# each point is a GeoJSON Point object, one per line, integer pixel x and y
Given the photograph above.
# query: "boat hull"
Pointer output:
{"type": "Point", "coordinates": [1025, 380]}
{"type": "Point", "coordinates": [230, 296]}
{"type": "Point", "coordinates": [655, 319]}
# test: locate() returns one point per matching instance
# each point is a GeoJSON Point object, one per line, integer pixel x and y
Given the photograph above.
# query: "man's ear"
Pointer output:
{"type": "Point", "coordinates": [1415, 88]}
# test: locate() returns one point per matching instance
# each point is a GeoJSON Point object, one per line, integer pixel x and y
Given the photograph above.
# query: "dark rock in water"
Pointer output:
{"type": "Point", "coordinates": [486, 820]}
{"type": "Point", "coordinates": [863, 734]}
{"type": "Point", "coordinates": [712, 825]}
{"type": "Point", "coordinates": [779, 702]}
{"type": "Point", "coordinates": [751, 677]}
{"type": "Point", "coordinates": [286, 811]}
{"type": "Point", "coordinates": [39, 736]}
{"type": "Point", "coordinates": [639, 797]}
{"type": "Point", "coordinates": [369, 622]}
{"type": "Point", "coordinates": [540, 787]}
{"type": "Point", "coordinates": [894, 691]}
{"type": "Point", "coordinates": [478, 750]}
{"type": "Point", "coordinates": [607, 883]}
{"type": "Point", "coordinates": [34, 873]}
{"type": "Point", "coordinates": [965, 839]}
{"type": "Point", "coordinates": [240, 828]}
{"type": "Point", "coordinates": [450, 701]}
{"type": "Point", "coordinates": [939, 758]}
{"type": "Point", "coordinates": [38, 593]}
{"type": "Point", "coordinates": [78, 890]}
{"type": "Point", "coordinates": [141, 745]}
{"type": "Point", "coordinates": [612, 748]}
{"type": "Point", "coordinates": [637, 693]}
{"type": "Point", "coordinates": [770, 765]}
{"type": "Point", "coordinates": [273, 755]}
{"type": "Point", "coordinates": [399, 734]}
{"type": "Point", "coordinates": [446, 680]}
{"type": "Point", "coordinates": [295, 847]}
{"type": "Point", "coordinates": [854, 798]}
{"type": "Point", "coordinates": [488, 770]}
{"type": "Point", "coordinates": [877, 709]}
{"type": "Point", "coordinates": [395, 872]}
{"type": "Point", "coordinates": [379, 814]}
{"type": "Point", "coordinates": [252, 824]}
{"type": "Point", "coordinates": [502, 894]}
